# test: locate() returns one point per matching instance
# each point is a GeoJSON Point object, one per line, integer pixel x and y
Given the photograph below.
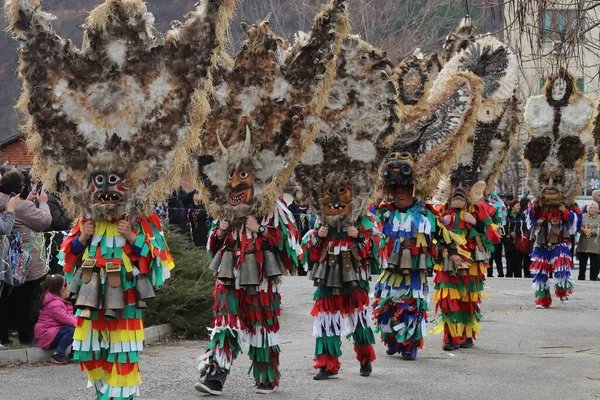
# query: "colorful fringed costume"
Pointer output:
{"type": "Point", "coordinates": [459, 288]}
{"type": "Point", "coordinates": [264, 117]}
{"type": "Point", "coordinates": [247, 299]}
{"type": "Point", "coordinates": [551, 255]}
{"type": "Point", "coordinates": [115, 122]}
{"type": "Point", "coordinates": [402, 292]}
{"type": "Point", "coordinates": [554, 157]}
{"type": "Point", "coordinates": [108, 348]}
{"type": "Point", "coordinates": [341, 268]}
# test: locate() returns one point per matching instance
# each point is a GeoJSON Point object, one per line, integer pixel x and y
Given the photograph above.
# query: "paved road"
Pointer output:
{"type": "Point", "coordinates": [522, 353]}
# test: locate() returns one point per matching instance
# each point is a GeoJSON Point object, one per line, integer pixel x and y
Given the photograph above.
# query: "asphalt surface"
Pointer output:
{"type": "Point", "coordinates": [522, 353]}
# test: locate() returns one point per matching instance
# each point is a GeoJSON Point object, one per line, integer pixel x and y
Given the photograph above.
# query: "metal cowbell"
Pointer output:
{"type": "Point", "coordinates": [271, 266]}
{"type": "Point", "coordinates": [423, 262]}
{"type": "Point", "coordinates": [249, 271]}
{"type": "Point", "coordinates": [89, 293]}
{"type": "Point", "coordinates": [143, 287]}
{"type": "Point", "coordinates": [73, 286]}
{"type": "Point", "coordinates": [406, 261]}
{"type": "Point", "coordinates": [348, 271]}
{"type": "Point", "coordinates": [334, 276]}
{"type": "Point", "coordinates": [226, 267]}
{"type": "Point", "coordinates": [216, 261]}
{"type": "Point", "coordinates": [394, 260]}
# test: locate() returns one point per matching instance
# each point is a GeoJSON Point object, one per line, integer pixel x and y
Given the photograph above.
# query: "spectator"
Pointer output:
{"type": "Point", "coordinates": [6, 225]}
{"type": "Point", "coordinates": [497, 255]}
{"type": "Point", "coordinates": [595, 197]}
{"type": "Point", "coordinates": [525, 203]}
{"type": "Point", "coordinates": [515, 227]}
{"type": "Point", "coordinates": [60, 222]}
{"type": "Point", "coordinates": [299, 209]}
{"type": "Point", "coordinates": [29, 222]}
{"type": "Point", "coordinates": [589, 245]}
{"type": "Point", "coordinates": [56, 325]}
{"type": "Point", "coordinates": [177, 213]}
{"type": "Point", "coordinates": [197, 219]}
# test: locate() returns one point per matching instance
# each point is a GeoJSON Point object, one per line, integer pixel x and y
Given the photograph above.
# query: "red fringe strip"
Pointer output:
{"type": "Point", "coordinates": [365, 353]}
{"type": "Point", "coordinates": [331, 364]}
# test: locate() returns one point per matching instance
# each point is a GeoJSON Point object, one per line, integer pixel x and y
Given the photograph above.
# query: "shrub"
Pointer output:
{"type": "Point", "coordinates": [185, 300]}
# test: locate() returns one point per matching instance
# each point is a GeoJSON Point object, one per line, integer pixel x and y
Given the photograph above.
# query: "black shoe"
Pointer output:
{"type": "Point", "coordinates": [450, 347]}
{"type": "Point", "coordinates": [58, 359]}
{"type": "Point", "coordinates": [407, 356]}
{"type": "Point", "coordinates": [366, 369]}
{"type": "Point", "coordinates": [467, 344]}
{"type": "Point", "coordinates": [501, 276]}
{"type": "Point", "coordinates": [323, 374]}
{"type": "Point", "coordinates": [264, 389]}
{"type": "Point", "coordinates": [390, 352]}
{"type": "Point", "coordinates": [211, 387]}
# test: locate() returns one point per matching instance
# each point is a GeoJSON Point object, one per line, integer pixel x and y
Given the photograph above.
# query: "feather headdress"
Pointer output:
{"type": "Point", "coordinates": [122, 111]}
{"type": "Point", "coordinates": [338, 173]}
{"type": "Point", "coordinates": [427, 143]}
{"type": "Point", "coordinates": [555, 154]}
{"type": "Point", "coordinates": [264, 115]}
{"type": "Point", "coordinates": [415, 76]}
{"type": "Point", "coordinates": [484, 154]}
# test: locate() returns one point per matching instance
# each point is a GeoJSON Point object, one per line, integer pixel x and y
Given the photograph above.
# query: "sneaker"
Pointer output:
{"type": "Point", "coordinates": [467, 344]}
{"type": "Point", "coordinates": [264, 389]}
{"type": "Point", "coordinates": [211, 387]}
{"type": "Point", "coordinates": [450, 347]}
{"type": "Point", "coordinates": [58, 359]}
{"type": "Point", "coordinates": [323, 374]}
{"type": "Point", "coordinates": [366, 369]}
{"type": "Point", "coordinates": [407, 356]}
{"type": "Point", "coordinates": [564, 300]}
{"type": "Point", "coordinates": [539, 306]}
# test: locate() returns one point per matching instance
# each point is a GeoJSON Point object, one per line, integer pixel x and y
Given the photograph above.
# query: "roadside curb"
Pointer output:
{"type": "Point", "coordinates": [30, 355]}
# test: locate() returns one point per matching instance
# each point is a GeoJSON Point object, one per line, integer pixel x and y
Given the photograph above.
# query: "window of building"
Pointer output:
{"type": "Point", "coordinates": [556, 23]}
{"type": "Point", "coordinates": [580, 84]}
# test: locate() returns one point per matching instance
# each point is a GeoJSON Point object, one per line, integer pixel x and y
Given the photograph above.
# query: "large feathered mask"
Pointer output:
{"type": "Point", "coordinates": [481, 159]}
{"type": "Point", "coordinates": [555, 154]}
{"type": "Point", "coordinates": [116, 119]}
{"type": "Point", "coordinates": [339, 172]}
{"type": "Point", "coordinates": [427, 142]}
{"type": "Point", "coordinates": [264, 115]}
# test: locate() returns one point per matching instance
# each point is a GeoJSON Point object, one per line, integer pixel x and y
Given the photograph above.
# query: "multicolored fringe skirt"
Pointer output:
{"type": "Point", "coordinates": [457, 300]}
{"type": "Point", "coordinates": [556, 260]}
{"type": "Point", "coordinates": [241, 317]}
{"type": "Point", "coordinates": [109, 351]}
{"type": "Point", "coordinates": [346, 313]}
{"type": "Point", "coordinates": [400, 310]}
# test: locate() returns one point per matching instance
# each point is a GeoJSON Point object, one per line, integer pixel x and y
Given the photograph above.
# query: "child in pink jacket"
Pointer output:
{"type": "Point", "coordinates": [56, 325]}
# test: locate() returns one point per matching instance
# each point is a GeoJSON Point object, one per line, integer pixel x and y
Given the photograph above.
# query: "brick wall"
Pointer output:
{"type": "Point", "coordinates": [16, 152]}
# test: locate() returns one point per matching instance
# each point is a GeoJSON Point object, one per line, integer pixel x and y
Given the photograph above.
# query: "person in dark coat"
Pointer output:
{"type": "Point", "coordinates": [515, 227]}
{"type": "Point", "coordinates": [177, 212]}
{"type": "Point", "coordinates": [198, 220]}
{"type": "Point", "coordinates": [299, 209]}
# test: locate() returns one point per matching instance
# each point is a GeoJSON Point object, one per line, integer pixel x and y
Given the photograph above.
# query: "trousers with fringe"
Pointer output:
{"type": "Point", "coordinates": [330, 311]}
{"type": "Point", "coordinates": [241, 316]}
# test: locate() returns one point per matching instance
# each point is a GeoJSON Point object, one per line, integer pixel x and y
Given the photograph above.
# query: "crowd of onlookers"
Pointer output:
{"type": "Point", "coordinates": [517, 243]}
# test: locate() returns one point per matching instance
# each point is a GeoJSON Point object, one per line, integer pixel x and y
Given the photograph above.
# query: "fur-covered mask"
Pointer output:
{"type": "Point", "coordinates": [555, 154]}
{"type": "Point", "coordinates": [263, 114]}
{"type": "Point", "coordinates": [464, 187]}
{"type": "Point", "coordinates": [107, 186]}
{"type": "Point", "coordinates": [339, 171]}
{"type": "Point", "coordinates": [425, 148]}
{"type": "Point", "coordinates": [125, 85]}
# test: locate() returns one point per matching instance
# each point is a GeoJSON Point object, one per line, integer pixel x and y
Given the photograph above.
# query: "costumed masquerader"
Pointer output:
{"type": "Point", "coordinates": [111, 121]}
{"type": "Point", "coordinates": [338, 175]}
{"type": "Point", "coordinates": [264, 117]}
{"type": "Point", "coordinates": [465, 207]}
{"type": "Point", "coordinates": [433, 128]}
{"type": "Point", "coordinates": [554, 157]}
